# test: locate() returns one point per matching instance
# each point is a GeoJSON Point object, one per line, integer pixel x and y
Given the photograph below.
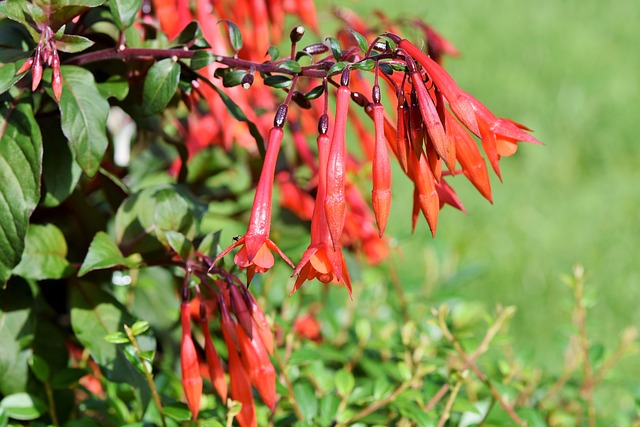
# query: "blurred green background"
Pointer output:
{"type": "Point", "coordinates": [570, 70]}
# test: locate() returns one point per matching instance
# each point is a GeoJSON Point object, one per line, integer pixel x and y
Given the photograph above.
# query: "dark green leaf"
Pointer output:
{"type": "Point", "coordinates": [334, 44]}
{"type": "Point", "coordinates": [290, 65]}
{"type": "Point", "coordinates": [67, 377]}
{"type": "Point", "coordinates": [201, 59]}
{"type": "Point", "coordinates": [337, 68]}
{"type": "Point", "coordinates": [278, 81]}
{"type": "Point", "coordinates": [273, 52]}
{"type": "Point", "coordinates": [315, 92]}
{"type": "Point", "coordinates": [238, 114]}
{"type": "Point", "coordinates": [135, 220]}
{"type": "Point", "coordinates": [104, 253]}
{"type": "Point", "coordinates": [233, 78]}
{"type": "Point", "coordinates": [386, 68]}
{"type": "Point", "coordinates": [20, 169]}
{"type": "Point", "coordinates": [23, 406]}
{"type": "Point", "coordinates": [391, 45]}
{"type": "Point", "coordinates": [154, 298]}
{"type": "Point", "coordinates": [363, 44]}
{"type": "Point", "coordinates": [14, 10]}
{"type": "Point", "coordinates": [45, 254]}
{"type": "Point", "coordinates": [365, 65]}
{"type": "Point", "coordinates": [124, 12]}
{"type": "Point", "coordinates": [179, 243]}
{"type": "Point", "coordinates": [192, 35]}
{"type": "Point", "coordinates": [73, 44]}
{"type": "Point", "coordinates": [84, 117]}
{"type": "Point", "coordinates": [39, 367]}
{"type": "Point", "coordinates": [159, 86]}
{"type": "Point", "coordinates": [235, 35]}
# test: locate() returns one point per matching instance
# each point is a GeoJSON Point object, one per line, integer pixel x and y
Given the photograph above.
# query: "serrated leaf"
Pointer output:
{"type": "Point", "coordinates": [192, 35]}
{"type": "Point", "coordinates": [201, 59]}
{"type": "Point", "coordinates": [334, 44]}
{"type": "Point", "coordinates": [273, 52]}
{"type": "Point", "coordinates": [104, 253]}
{"type": "Point", "coordinates": [235, 35]}
{"type": "Point", "coordinates": [124, 12]}
{"type": "Point", "coordinates": [84, 117]}
{"type": "Point", "coordinates": [45, 254]}
{"type": "Point", "coordinates": [73, 44]}
{"type": "Point", "coordinates": [315, 92]}
{"type": "Point", "coordinates": [278, 81]}
{"type": "Point", "coordinates": [363, 44]}
{"type": "Point", "coordinates": [159, 86]}
{"type": "Point", "coordinates": [290, 65]}
{"type": "Point", "coordinates": [20, 170]}
{"type": "Point", "coordinates": [23, 406]}
{"type": "Point", "coordinates": [239, 115]}
{"type": "Point", "coordinates": [365, 65]}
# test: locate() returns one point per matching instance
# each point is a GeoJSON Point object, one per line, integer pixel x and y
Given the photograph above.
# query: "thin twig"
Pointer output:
{"type": "Point", "coordinates": [447, 408]}
{"type": "Point", "coordinates": [287, 381]}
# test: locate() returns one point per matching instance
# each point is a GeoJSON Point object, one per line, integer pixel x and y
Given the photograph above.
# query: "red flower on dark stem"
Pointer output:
{"type": "Point", "coordinates": [256, 246]}
{"type": "Point", "coordinates": [321, 260]}
{"type": "Point", "coordinates": [191, 379]}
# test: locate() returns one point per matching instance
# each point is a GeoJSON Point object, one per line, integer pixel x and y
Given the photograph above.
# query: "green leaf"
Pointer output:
{"type": "Point", "coordinates": [23, 406]}
{"type": "Point", "coordinates": [179, 243]}
{"type": "Point", "coordinates": [117, 338]}
{"type": "Point", "coordinates": [45, 254]}
{"type": "Point", "coordinates": [178, 411]}
{"type": "Point", "coordinates": [104, 253]}
{"type": "Point", "coordinates": [386, 68]}
{"type": "Point", "coordinates": [124, 12]}
{"type": "Point", "coordinates": [334, 44]}
{"type": "Point", "coordinates": [67, 377]}
{"type": "Point", "coordinates": [278, 81]}
{"type": "Point", "coordinates": [239, 115]}
{"type": "Point", "coordinates": [20, 170]}
{"type": "Point", "coordinates": [290, 65]}
{"type": "Point", "coordinates": [159, 86]}
{"type": "Point", "coordinates": [172, 212]}
{"type": "Point", "coordinates": [115, 87]}
{"type": "Point", "coordinates": [73, 44]}
{"type": "Point", "coordinates": [14, 10]}
{"type": "Point", "coordinates": [17, 325]}
{"type": "Point", "coordinates": [201, 59]}
{"type": "Point", "coordinates": [315, 92]}
{"type": "Point", "coordinates": [140, 327]}
{"type": "Point", "coordinates": [233, 78]}
{"type": "Point", "coordinates": [235, 35]}
{"type": "Point", "coordinates": [306, 399]}
{"type": "Point", "coordinates": [363, 44]}
{"type": "Point", "coordinates": [60, 171]}
{"type": "Point", "coordinates": [365, 65]}
{"type": "Point", "coordinates": [39, 367]}
{"type": "Point", "coordinates": [273, 52]}
{"type": "Point", "coordinates": [84, 117]}
{"type": "Point", "coordinates": [391, 45]}
{"type": "Point", "coordinates": [344, 382]}
{"type": "Point", "coordinates": [337, 68]}
{"type": "Point", "coordinates": [192, 35]}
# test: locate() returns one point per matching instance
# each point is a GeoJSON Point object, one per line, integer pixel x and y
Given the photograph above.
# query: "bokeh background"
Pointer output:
{"type": "Point", "coordinates": [570, 70]}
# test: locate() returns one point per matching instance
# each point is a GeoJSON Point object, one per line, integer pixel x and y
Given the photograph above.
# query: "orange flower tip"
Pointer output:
{"type": "Point", "coordinates": [193, 392]}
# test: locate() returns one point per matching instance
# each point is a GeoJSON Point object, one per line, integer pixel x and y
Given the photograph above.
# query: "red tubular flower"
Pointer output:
{"type": "Point", "coordinates": [255, 253]}
{"type": "Point", "coordinates": [381, 171]}
{"type": "Point", "coordinates": [240, 386]}
{"type": "Point", "coordinates": [428, 111]}
{"type": "Point", "coordinates": [402, 144]}
{"type": "Point", "coordinates": [335, 206]}
{"type": "Point", "coordinates": [191, 379]}
{"type": "Point", "coordinates": [216, 372]}
{"type": "Point", "coordinates": [256, 362]}
{"type": "Point", "coordinates": [321, 260]}
{"type": "Point", "coordinates": [260, 321]}
{"type": "Point", "coordinates": [427, 195]}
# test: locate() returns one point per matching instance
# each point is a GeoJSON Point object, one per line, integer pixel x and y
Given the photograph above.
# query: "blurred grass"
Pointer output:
{"type": "Point", "coordinates": [570, 71]}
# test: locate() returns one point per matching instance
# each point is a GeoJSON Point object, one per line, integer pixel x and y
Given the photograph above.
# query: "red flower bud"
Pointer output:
{"type": "Point", "coordinates": [335, 205]}
{"type": "Point", "coordinates": [216, 372]}
{"type": "Point", "coordinates": [381, 171]}
{"type": "Point", "coordinates": [240, 386]}
{"type": "Point", "coordinates": [25, 67]}
{"type": "Point", "coordinates": [36, 70]}
{"type": "Point", "coordinates": [56, 79]}
{"type": "Point", "coordinates": [256, 362]}
{"type": "Point", "coordinates": [191, 380]}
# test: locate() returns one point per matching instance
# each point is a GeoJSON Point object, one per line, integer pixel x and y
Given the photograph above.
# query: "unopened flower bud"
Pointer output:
{"type": "Point", "coordinates": [296, 34]}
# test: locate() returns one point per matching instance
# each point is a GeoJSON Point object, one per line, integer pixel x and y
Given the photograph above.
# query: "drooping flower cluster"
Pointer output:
{"type": "Point", "coordinates": [247, 337]}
